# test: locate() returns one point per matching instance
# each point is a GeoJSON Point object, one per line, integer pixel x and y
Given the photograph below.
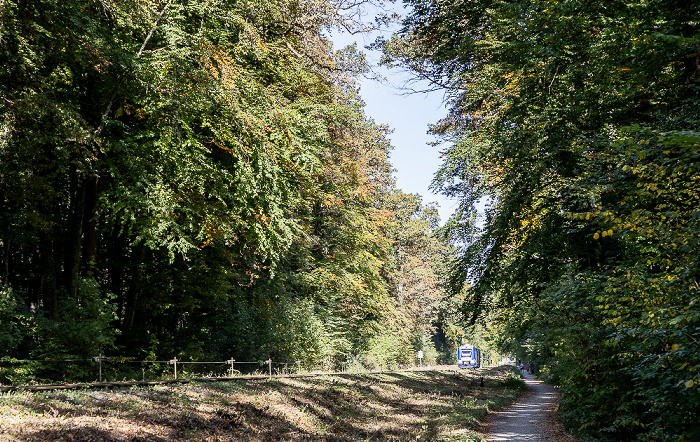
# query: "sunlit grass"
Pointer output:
{"type": "Point", "coordinates": [440, 405]}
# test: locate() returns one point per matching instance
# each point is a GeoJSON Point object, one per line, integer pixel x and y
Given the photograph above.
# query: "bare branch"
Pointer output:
{"type": "Point", "coordinates": [105, 114]}
{"type": "Point", "coordinates": [155, 25]}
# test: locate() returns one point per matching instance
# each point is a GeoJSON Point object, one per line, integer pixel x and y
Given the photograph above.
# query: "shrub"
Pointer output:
{"type": "Point", "coordinates": [83, 326]}
{"type": "Point", "coordinates": [10, 334]}
{"type": "Point", "coordinates": [512, 381]}
{"type": "Point", "coordinates": [383, 351]}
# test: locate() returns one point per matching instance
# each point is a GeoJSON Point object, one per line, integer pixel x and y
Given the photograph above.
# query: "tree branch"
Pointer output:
{"type": "Point", "coordinates": [103, 119]}
{"type": "Point", "coordinates": [155, 25]}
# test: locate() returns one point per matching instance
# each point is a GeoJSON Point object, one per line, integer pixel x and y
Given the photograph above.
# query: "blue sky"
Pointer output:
{"type": "Point", "coordinates": [413, 158]}
{"type": "Point", "coordinates": [408, 115]}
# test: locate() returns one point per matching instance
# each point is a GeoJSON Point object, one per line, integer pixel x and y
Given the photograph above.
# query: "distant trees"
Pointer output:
{"type": "Point", "coordinates": [578, 122]}
{"type": "Point", "coordinates": [199, 178]}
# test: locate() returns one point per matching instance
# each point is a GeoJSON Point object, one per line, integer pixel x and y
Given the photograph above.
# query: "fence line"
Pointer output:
{"type": "Point", "coordinates": [118, 361]}
{"type": "Point", "coordinates": [98, 360]}
{"type": "Point", "coordinates": [13, 388]}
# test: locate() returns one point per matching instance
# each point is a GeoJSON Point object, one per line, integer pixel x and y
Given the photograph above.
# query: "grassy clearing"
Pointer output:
{"type": "Point", "coordinates": [443, 405]}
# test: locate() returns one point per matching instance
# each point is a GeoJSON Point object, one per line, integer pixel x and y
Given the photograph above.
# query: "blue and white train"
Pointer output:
{"type": "Point", "coordinates": [468, 356]}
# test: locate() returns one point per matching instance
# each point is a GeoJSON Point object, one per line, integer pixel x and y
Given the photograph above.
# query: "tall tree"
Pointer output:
{"type": "Point", "coordinates": [574, 119]}
{"type": "Point", "coordinates": [189, 178]}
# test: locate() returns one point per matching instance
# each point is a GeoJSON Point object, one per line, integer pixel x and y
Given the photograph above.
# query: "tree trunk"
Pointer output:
{"type": "Point", "coordinates": [114, 263]}
{"type": "Point", "coordinates": [134, 289]}
{"type": "Point", "coordinates": [90, 226]}
{"type": "Point", "coordinates": [6, 243]}
{"type": "Point", "coordinates": [74, 233]}
{"type": "Point", "coordinates": [49, 288]}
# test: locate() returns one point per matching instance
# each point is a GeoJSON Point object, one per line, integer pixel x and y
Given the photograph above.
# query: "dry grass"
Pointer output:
{"type": "Point", "coordinates": [445, 405]}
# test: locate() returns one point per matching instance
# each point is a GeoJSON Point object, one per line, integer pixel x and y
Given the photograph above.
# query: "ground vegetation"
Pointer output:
{"type": "Point", "coordinates": [407, 406]}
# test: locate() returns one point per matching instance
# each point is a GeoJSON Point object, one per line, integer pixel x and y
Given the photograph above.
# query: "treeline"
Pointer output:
{"type": "Point", "coordinates": [198, 178]}
{"type": "Point", "coordinates": [578, 123]}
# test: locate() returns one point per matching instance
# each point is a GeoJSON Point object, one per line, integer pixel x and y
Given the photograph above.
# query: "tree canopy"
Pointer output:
{"type": "Point", "coordinates": [199, 179]}
{"type": "Point", "coordinates": [577, 122]}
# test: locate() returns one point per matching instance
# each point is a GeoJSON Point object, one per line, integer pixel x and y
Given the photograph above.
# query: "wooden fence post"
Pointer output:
{"type": "Point", "coordinates": [173, 361]}
{"type": "Point", "coordinates": [98, 359]}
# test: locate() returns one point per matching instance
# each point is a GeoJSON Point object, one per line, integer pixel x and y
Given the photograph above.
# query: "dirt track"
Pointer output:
{"type": "Point", "coordinates": [532, 418]}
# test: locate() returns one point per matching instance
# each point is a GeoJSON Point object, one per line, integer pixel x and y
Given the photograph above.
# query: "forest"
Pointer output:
{"type": "Point", "coordinates": [199, 179]}
{"type": "Point", "coordinates": [578, 124]}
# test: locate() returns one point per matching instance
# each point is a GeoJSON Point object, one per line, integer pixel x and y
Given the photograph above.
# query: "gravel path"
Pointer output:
{"type": "Point", "coordinates": [532, 418]}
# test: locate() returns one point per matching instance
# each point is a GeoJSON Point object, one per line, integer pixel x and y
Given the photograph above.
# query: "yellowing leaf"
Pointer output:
{"type": "Point", "coordinates": [689, 383]}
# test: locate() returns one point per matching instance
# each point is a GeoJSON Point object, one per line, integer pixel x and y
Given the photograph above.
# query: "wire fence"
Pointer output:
{"type": "Point", "coordinates": [17, 374]}
{"type": "Point", "coordinates": [102, 368]}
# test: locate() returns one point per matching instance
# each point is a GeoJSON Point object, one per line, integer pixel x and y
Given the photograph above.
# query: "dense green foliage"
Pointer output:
{"type": "Point", "coordinates": [578, 122]}
{"type": "Point", "coordinates": [198, 179]}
